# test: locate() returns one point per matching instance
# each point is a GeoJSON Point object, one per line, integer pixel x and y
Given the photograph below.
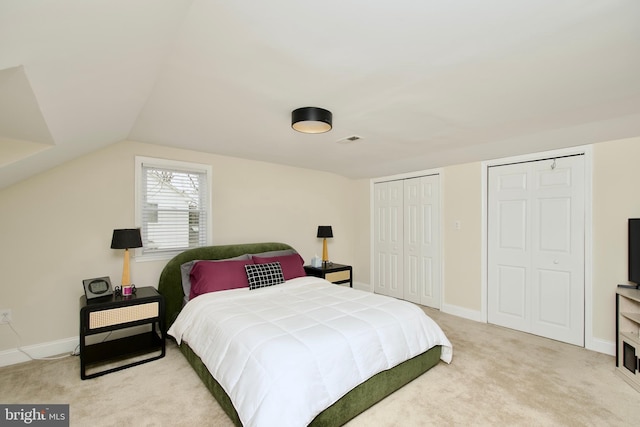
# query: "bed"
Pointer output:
{"type": "Point", "coordinates": [290, 343]}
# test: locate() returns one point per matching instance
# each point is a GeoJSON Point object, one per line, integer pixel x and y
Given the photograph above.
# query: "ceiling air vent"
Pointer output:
{"type": "Point", "coordinates": [349, 139]}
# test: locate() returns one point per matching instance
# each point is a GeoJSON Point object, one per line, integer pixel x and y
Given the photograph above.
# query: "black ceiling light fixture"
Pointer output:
{"type": "Point", "coordinates": [311, 120]}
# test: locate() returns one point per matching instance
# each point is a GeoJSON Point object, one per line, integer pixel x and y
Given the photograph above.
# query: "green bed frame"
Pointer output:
{"type": "Point", "coordinates": [351, 404]}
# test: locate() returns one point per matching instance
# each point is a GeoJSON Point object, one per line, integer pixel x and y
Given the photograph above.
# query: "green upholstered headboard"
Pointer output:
{"type": "Point", "coordinates": [170, 283]}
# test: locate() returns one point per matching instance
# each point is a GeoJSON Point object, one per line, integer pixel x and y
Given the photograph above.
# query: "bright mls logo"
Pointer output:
{"type": "Point", "coordinates": [36, 415]}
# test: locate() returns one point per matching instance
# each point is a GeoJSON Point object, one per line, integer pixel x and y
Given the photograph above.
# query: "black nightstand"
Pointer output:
{"type": "Point", "coordinates": [335, 273]}
{"type": "Point", "coordinates": [145, 307]}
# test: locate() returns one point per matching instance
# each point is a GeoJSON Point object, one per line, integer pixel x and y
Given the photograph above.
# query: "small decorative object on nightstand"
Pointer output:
{"type": "Point", "coordinates": [107, 314]}
{"type": "Point", "coordinates": [99, 287]}
{"type": "Point", "coordinates": [335, 273]}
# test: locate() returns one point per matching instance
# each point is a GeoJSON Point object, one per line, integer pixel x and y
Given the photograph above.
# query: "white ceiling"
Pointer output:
{"type": "Point", "coordinates": [424, 83]}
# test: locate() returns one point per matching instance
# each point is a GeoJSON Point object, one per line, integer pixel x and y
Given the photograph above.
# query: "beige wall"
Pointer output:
{"type": "Point", "coordinates": [616, 198]}
{"type": "Point", "coordinates": [462, 189]}
{"type": "Point", "coordinates": [56, 227]}
{"type": "Point", "coordinates": [362, 229]}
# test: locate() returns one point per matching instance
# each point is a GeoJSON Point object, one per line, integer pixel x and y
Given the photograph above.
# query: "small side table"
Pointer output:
{"type": "Point", "coordinates": [334, 273]}
{"type": "Point", "coordinates": [145, 307]}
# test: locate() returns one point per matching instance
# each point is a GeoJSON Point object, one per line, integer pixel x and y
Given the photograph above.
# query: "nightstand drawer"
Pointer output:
{"type": "Point", "coordinates": [117, 316]}
{"type": "Point", "coordinates": [332, 272]}
{"type": "Point", "coordinates": [338, 276]}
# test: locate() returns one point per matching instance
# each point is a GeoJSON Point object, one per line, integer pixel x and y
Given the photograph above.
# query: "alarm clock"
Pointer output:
{"type": "Point", "coordinates": [98, 287]}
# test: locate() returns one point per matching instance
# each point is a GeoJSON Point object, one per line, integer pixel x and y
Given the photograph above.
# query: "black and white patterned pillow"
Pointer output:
{"type": "Point", "coordinates": [263, 275]}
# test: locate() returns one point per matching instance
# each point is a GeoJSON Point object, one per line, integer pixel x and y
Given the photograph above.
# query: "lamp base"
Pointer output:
{"type": "Point", "coordinates": [126, 280]}
{"type": "Point", "coordinates": [325, 252]}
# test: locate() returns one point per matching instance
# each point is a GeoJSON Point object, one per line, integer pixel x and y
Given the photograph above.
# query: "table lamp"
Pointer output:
{"type": "Point", "coordinates": [325, 232]}
{"type": "Point", "coordinates": [126, 239]}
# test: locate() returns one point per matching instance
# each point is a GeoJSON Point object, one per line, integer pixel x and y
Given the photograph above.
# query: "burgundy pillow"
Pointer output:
{"type": "Point", "coordinates": [218, 276]}
{"type": "Point", "coordinates": [292, 265]}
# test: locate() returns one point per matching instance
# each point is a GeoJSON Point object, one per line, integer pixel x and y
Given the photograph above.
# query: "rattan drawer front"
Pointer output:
{"type": "Point", "coordinates": [116, 316]}
{"type": "Point", "coordinates": [338, 276]}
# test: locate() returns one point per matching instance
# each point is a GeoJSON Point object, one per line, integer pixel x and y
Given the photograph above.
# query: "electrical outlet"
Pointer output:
{"type": "Point", "coordinates": [5, 315]}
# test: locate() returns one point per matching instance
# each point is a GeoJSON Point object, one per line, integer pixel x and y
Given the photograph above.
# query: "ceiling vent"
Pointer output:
{"type": "Point", "coordinates": [349, 139]}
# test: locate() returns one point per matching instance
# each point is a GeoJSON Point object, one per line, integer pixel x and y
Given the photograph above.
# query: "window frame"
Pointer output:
{"type": "Point", "coordinates": [139, 193]}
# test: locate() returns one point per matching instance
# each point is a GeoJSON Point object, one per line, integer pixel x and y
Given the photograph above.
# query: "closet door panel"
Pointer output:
{"type": "Point", "coordinates": [388, 235]}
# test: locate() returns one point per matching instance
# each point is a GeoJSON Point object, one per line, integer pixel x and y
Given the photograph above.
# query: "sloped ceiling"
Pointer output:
{"type": "Point", "coordinates": [24, 131]}
{"type": "Point", "coordinates": [424, 83]}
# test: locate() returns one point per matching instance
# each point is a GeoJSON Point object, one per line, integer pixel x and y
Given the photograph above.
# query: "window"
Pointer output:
{"type": "Point", "coordinates": [173, 204]}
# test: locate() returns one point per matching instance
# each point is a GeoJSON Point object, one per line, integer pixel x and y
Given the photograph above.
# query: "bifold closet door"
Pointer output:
{"type": "Point", "coordinates": [407, 239]}
{"type": "Point", "coordinates": [536, 247]}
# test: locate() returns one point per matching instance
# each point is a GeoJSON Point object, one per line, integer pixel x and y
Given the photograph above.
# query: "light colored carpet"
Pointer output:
{"type": "Point", "coordinates": [498, 377]}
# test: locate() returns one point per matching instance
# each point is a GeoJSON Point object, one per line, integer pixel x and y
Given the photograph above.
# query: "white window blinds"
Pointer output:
{"type": "Point", "coordinates": [173, 207]}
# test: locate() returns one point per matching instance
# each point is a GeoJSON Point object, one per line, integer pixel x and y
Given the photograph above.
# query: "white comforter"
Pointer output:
{"type": "Point", "coordinates": [285, 353]}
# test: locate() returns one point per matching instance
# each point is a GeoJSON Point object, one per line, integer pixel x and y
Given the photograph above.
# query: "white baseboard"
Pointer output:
{"type": "Point", "coordinates": [601, 346]}
{"type": "Point", "coordinates": [363, 286]}
{"type": "Point", "coordinates": [462, 312]}
{"type": "Point", "coordinates": [594, 344]}
{"type": "Point", "coordinates": [48, 349]}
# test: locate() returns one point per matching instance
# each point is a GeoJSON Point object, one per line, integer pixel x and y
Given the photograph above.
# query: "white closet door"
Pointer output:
{"type": "Point", "coordinates": [536, 248]}
{"type": "Point", "coordinates": [558, 222]}
{"type": "Point", "coordinates": [388, 205]}
{"type": "Point", "coordinates": [421, 240]}
{"type": "Point", "coordinates": [509, 254]}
